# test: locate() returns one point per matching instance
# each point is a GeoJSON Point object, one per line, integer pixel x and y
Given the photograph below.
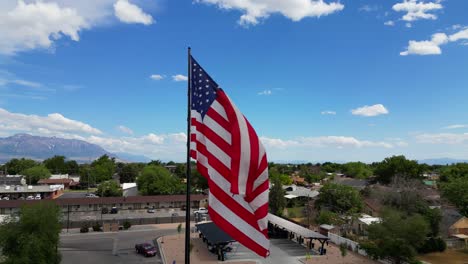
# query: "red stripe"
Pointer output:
{"type": "Point", "coordinates": [212, 136]}
{"type": "Point", "coordinates": [233, 205]}
{"type": "Point", "coordinates": [231, 230]}
{"type": "Point", "coordinates": [235, 141]}
{"type": "Point", "coordinates": [254, 157]}
{"type": "Point", "coordinates": [261, 188]}
{"type": "Point", "coordinates": [261, 212]}
{"type": "Point", "coordinates": [219, 119]}
{"type": "Point", "coordinates": [213, 161]}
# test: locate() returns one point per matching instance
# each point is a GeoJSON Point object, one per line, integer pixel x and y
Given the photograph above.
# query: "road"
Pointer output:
{"type": "Point", "coordinates": [97, 248]}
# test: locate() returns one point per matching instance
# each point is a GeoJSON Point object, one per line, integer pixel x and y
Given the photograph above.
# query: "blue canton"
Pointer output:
{"type": "Point", "coordinates": [203, 89]}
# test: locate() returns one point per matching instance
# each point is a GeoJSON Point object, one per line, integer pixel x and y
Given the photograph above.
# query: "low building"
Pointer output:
{"type": "Point", "coordinates": [129, 189]}
{"type": "Point", "coordinates": [12, 180]}
{"type": "Point", "coordinates": [460, 227]}
{"type": "Point", "coordinates": [325, 229]}
{"type": "Point", "coordinates": [97, 204]}
{"type": "Point", "coordinates": [372, 206]}
{"type": "Point", "coordinates": [24, 191]}
{"type": "Point", "coordinates": [65, 182]}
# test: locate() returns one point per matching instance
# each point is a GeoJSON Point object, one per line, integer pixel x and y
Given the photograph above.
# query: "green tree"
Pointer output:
{"type": "Point", "coordinates": [357, 170]}
{"type": "Point", "coordinates": [156, 180]}
{"type": "Point", "coordinates": [275, 174]}
{"type": "Point", "coordinates": [397, 237]}
{"type": "Point", "coordinates": [277, 201]}
{"type": "Point", "coordinates": [331, 167]}
{"type": "Point", "coordinates": [397, 166]}
{"type": "Point", "coordinates": [328, 217]}
{"type": "Point", "coordinates": [56, 165]}
{"type": "Point", "coordinates": [340, 198]}
{"type": "Point", "coordinates": [109, 189]}
{"type": "Point", "coordinates": [198, 181]}
{"type": "Point", "coordinates": [128, 173]}
{"type": "Point", "coordinates": [102, 169]}
{"type": "Point", "coordinates": [34, 174]}
{"type": "Point", "coordinates": [34, 237]}
{"type": "Point", "coordinates": [455, 190]}
{"type": "Point", "coordinates": [17, 166]}
{"type": "Point", "coordinates": [72, 167]}
{"type": "Point", "coordinates": [455, 171]}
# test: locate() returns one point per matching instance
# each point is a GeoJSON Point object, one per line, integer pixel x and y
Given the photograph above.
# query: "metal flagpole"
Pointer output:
{"type": "Point", "coordinates": [187, 204]}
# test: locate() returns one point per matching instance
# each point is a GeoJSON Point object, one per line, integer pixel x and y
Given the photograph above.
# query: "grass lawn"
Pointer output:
{"type": "Point", "coordinates": [91, 190]}
{"type": "Point", "coordinates": [296, 212]}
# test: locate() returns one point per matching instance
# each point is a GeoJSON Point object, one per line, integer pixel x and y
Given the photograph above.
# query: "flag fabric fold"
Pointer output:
{"type": "Point", "coordinates": [231, 157]}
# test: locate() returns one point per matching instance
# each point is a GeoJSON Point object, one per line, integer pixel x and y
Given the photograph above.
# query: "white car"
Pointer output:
{"type": "Point", "coordinates": [6, 198]}
{"type": "Point", "coordinates": [201, 210]}
{"type": "Point", "coordinates": [38, 197]}
{"type": "Point", "coordinates": [30, 197]}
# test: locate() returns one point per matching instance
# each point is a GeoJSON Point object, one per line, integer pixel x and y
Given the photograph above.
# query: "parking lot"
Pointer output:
{"type": "Point", "coordinates": [98, 247]}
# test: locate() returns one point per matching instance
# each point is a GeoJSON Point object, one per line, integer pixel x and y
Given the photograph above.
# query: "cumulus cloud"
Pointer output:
{"type": "Point", "coordinates": [432, 47]}
{"type": "Point", "coordinates": [253, 10]}
{"type": "Point", "coordinates": [328, 112]}
{"type": "Point", "coordinates": [131, 14]}
{"type": "Point", "coordinates": [37, 25]}
{"type": "Point", "coordinates": [16, 122]}
{"type": "Point", "coordinates": [443, 138]}
{"type": "Point", "coordinates": [125, 130]}
{"type": "Point", "coordinates": [373, 110]}
{"type": "Point", "coordinates": [179, 78]}
{"type": "Point", "coordinates": [322, 142]}
{"type": "Point", "coordinates": [157, 77]}
{"type": "Point", "coordinates": [417, 10]}
{"type": "Point", "coordinates": [389, 23]}
{"type": "Point", "coordinates": [265, 92]}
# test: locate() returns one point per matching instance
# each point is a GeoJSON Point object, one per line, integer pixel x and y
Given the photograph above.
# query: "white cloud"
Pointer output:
{"type": "Point", "coordinates": [389, 23]}
{"type": "Point", "coordinates": [323, 142]}
{"type": "Point", "coordinates": [125, 130]}
{"type": "Point", "coordinates": [15, 122]}
{"type": "Point", "coordinates": [408, 25]}
{"type": "Point", "coordinates": [157, 77]}
{"type": "Point", "coordinates": [373, 110]}
{"type": "Point", "coordinates": [443, 138]}
{"type": "Point", "coordinates": [130, 13]}
{"type": "Point", "coordinates": [179, 78]}
{"type": "Point", "coordinates": [37, 25]}
{"type": "Point", "coordinates": [417, 10]}
{"type": "Point", "coordinates": [368, 8]}
{"type": "Point", "coordinates": [455, 126]}
{"type": "Point", "coordinates": [265, 92]}
{"type": "Point", "coordinates": [432, 47]}
{"type": "Point", "coordinates": [293, 9]}
{"type": "Point", "coordinates": [328, 112]}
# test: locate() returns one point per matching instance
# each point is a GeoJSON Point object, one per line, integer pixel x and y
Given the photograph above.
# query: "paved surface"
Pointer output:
{"type": "Point", "coordinates": [123, 214]}
{"type": "Point", "coordinates": [98, 247]}
{"type": "Point", "coordinates": [72, 195]}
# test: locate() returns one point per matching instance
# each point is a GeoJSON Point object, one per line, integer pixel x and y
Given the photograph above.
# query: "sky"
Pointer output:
{"type": "Point", "coordinates": [349, 80]}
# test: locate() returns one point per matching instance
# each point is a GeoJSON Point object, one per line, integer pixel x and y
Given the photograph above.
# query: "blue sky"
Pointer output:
{"type": "Point", "coordinates": [319, 80]}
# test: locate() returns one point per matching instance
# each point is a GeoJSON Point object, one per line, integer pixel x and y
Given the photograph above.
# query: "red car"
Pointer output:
{"type": "Point", "coordinates": [146, 249]}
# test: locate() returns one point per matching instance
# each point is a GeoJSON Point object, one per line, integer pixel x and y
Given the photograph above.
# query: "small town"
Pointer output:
{"type": "Point", "coordinates": [233, 131]}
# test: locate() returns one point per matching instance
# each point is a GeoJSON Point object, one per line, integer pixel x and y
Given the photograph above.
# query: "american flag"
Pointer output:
{"type": "Point", "coordinates": [232, 158]}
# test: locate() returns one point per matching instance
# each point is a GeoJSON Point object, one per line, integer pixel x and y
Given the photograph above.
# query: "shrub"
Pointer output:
{"type": "Point", "coordinates": [84, 228]}
{"type": "Point", "coordinates": [433, 244]}
{"type": "Point", "coordinates": [97, 227]}
{"type": "Point", "coordinates": [127, 224]}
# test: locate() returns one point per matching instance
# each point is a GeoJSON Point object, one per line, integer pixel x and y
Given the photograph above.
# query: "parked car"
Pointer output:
{"type": "Point", "coordinates": [146, 249]}
{"type": "Point", "coordinates": [151, 211]}
{"type": "Point", "coordinates": [30, 197]}
{"type": "Point", "coordinates": [37, 197]}
{"type": "Point", "coordinates": [104, 210]}
{"type": "Point", "coordinates": [201, 210]}
{"type": "Point", "coordinates": [91, 195]}
{"type": "Point", "coordinates": [114, 210]}
{"type": "Point", "coordinates": [174, 214]}
{"type": "Point", "coordinates": [6, 198]}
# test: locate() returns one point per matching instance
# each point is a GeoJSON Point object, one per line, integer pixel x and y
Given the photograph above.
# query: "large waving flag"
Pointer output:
{"type": "Point", "coordinates": [230, 155]}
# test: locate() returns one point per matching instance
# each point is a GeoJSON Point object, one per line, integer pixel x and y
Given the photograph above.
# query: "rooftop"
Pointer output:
{"type": "Point", "coordinates": [9, 189]}
{"type": "Point", "coordinates": [295, 228]}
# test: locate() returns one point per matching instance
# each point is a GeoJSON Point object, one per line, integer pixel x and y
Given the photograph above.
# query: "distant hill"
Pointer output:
{"type": "Point", "coordinates": [441, 161]}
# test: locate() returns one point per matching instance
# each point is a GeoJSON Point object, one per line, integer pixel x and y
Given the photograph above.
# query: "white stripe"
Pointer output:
{"type": "Point", "coordinates": [217, 152]}
{"type": "Point", "coordinates": [261, 152]}
{"type": "Point", "coordinates": [260, 200]}
{"type": "Point", "coordinates": [260, 179]}
{"type": "Point", "coordinates": [220, 109]}
{"type": "Point", "coordinates": [202, 159]}
{"type": "Point", "coordinates": [218, 129]}
{"type": "Point", "coordinates": [244, 163]}
{"type": "Point", "coordinates": [263, 223]}
{"type": "Point", "coordinates": [224, 185]}
{"type": "Point", "coordinates": [238, 222]}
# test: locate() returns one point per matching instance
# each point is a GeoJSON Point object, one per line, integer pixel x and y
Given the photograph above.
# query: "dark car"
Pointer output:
{"type": "Point", "coordinates": [114, 210]}
{"type": "Point", "coordinates": [146, 249]}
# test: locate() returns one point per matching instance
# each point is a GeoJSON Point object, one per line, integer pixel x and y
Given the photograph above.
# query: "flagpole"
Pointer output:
{"type": "Point", "coordinates": [188, 167]}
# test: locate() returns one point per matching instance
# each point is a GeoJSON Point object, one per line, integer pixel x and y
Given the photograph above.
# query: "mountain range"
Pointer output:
{"type": "Point", "coordinates": [40, 148]}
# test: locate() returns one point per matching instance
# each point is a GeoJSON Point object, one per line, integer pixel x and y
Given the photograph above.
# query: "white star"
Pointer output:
{"type": "Point", "coordinates": [207, 80]}
{"type": "Point", "coordinates": [199, 74]}
{"type": "Point", "coordinates": [207, 100]}
{"type": "Point", "coordinates": [199, 81]}
{"type": "Point", "coordinates": [207, 86]}
{"type": "Point", "coordinates": [207, 93]}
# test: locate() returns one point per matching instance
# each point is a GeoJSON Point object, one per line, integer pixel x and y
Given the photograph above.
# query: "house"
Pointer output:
{"type": "Point", "coordinates": [325, 229]}
{"type": "Point", "coordinates": [460, 227]}
{"type": "Point", "coordinates": [360, 226]}
{"type": "Point", "coordinates": [372, 206]}
{"type": "Point", "coordinates": [129, 189]}
{"type": "Point", "coordinates": [298, 180]}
